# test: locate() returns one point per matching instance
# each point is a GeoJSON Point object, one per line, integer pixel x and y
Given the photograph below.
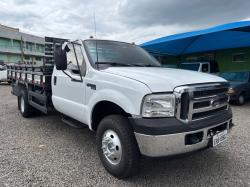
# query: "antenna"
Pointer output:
{"type": "Point", "coordinates": [94, 24]}
{"type": "Point", "coordinates": [96, 48]}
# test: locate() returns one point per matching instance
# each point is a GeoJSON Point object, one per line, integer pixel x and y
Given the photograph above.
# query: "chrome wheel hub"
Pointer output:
{"type": "Point", "coordinates": [111, 147]}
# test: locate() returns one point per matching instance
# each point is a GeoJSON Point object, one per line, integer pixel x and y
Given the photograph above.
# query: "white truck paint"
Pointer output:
{"type": "Point", "coordinates": [134, 105]}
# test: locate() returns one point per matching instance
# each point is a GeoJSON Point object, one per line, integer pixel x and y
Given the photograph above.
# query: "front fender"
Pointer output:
{"type": "Point", "coordinates": [129, 105]}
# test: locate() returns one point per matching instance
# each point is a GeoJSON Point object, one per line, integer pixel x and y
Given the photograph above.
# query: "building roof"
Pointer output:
{"type": "Point", "coordinates": [9, 28]}
{"type": "Point", "coordinates": [14, 33]}
{"type": "Point", "coordinates": [231, 35]}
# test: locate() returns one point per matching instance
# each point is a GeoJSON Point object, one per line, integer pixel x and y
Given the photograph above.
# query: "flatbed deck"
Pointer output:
{"type": "Point", "coordinates": [37, 81]}
{"type": "Point", "coordinates": [31, 74]}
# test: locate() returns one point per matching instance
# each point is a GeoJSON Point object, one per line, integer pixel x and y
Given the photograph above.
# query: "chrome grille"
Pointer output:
{"type": "Point", "coordinates": [195, 102]}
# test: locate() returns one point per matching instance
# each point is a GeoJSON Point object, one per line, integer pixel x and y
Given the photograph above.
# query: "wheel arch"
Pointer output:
{"type": "Point", "coordinates": [104, 108]}
{"type": "Point", "coordinates": [18, 87]}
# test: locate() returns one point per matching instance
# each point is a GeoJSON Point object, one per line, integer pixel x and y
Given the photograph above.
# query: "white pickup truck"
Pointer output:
{"type": "Point", "coordinates": [135, 107]}
{"type": "Point", "coordinates": [205, 67]}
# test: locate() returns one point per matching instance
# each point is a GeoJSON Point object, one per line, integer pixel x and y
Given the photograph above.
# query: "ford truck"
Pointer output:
{"type": "Point", "coordinates": [135, 106]}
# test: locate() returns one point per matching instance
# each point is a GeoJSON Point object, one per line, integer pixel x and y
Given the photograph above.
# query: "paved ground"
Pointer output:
{"type": "Point", "coordinates": [43, 151]}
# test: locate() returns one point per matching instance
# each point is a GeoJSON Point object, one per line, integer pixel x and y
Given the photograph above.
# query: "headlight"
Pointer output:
{"type": "Point", "coordinates": [158, 105]}
{"type": "Point", "coordinates": [231, 91]}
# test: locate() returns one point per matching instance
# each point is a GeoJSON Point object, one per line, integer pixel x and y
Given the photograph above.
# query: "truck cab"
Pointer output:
{"type": "Point", "coordinates": [135, 106]}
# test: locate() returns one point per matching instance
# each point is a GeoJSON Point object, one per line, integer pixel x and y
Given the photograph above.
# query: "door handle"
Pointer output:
{"type": "Point", "coordinates": [55, 80]}
{"type": "Point", "coordinates": [92, 86]}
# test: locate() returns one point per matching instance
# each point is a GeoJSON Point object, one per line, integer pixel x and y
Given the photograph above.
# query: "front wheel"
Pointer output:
{"type": "Point", "coordinates": [117, 147]}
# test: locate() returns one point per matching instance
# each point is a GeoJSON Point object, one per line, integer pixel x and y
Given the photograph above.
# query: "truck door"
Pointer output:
{"type": "Point", "coordinates": [68, 87]}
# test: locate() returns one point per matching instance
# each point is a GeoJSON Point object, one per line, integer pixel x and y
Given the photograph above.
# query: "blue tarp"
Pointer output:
{"type": "Point", "coordinates": [232, 35]}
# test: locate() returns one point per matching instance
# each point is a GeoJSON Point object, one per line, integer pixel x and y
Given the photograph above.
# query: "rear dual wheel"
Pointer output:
{"type": "Point", "coordinates": [23, 104]}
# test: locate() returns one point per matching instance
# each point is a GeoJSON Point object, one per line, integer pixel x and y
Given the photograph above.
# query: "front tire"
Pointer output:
{"type": "Point", "coordinates": [117, 146]}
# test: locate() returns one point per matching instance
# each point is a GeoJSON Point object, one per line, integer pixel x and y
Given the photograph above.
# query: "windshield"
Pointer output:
{"type": "Point", "coordinates": [118, 54]}
{"type": "Point", "coordinates": [236, 76]}
{"type": "Point", "coordinates": [189, 66]}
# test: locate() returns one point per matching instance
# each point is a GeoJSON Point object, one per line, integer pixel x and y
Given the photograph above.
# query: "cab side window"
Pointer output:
{"type": "Point", "coordinates": [73, 56]}
{"type": "Point", "coordinates": [80, 58]}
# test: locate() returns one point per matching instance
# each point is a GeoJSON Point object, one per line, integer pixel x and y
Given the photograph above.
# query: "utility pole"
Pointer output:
{"type": "Point", "coordinates": [22, 52]}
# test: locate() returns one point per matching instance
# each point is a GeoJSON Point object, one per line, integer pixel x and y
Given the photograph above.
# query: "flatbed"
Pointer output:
{"type": "Point", "coordinates": [36, 79]}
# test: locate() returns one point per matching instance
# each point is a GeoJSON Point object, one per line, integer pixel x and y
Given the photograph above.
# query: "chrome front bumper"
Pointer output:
{"type": "Point", "coordinates": [173, 144]}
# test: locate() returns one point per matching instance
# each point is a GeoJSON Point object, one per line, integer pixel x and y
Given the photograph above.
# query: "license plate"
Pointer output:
{"type": "Point", "coordinates": [219, 138]}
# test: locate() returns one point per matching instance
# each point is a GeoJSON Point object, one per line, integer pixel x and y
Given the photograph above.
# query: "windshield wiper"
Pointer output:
{"type": "Point", "coordinates": [114, 63]}
{"type": "Point", "coordinates": [145, 65]}
{"type": "Point", "coordinates": [150, 65]}
{"type": "Point", "coordinates": [122, 64]}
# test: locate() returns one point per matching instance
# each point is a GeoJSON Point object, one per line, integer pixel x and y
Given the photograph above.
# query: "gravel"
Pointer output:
{"type": "Point", "coordinates": [43, 151]}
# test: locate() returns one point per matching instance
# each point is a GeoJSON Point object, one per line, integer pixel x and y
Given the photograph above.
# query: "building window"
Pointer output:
{"type": "Point", "coordinates": [26, 57]}
{"type": "Point", "coordinates": [239, 57]}
{"type": "Point", "coordinates": [38, 58]}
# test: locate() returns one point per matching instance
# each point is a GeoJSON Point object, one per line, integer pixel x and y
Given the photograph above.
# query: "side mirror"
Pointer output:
{"type": "Point", "coordinates": [60, 58]}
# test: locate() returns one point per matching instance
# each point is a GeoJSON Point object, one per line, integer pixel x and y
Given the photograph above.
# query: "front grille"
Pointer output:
{"type": "Point", "coordinates": [209, 92]}
{"type": "Point", "coordinates": [195, 102]}
{"type": "Point", "coordinates": [208, 113]}
{"type": "Point", "coordinates": [184, 106]}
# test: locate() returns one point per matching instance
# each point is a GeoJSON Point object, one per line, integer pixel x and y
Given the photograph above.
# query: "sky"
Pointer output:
{"type": "Point", "coordinates": [124, 20]}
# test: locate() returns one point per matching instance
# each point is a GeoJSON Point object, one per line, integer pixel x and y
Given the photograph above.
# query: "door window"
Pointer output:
{"type": "Point", "coordinates": [71, 58]}
{"type": "Point", "coordinates": [75, 57]}
{"type": "Point", "coordinates": [80, 58]}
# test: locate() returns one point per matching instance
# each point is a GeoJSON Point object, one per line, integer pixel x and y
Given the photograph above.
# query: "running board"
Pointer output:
{"type": "Point", "coordinates": [73, 123]}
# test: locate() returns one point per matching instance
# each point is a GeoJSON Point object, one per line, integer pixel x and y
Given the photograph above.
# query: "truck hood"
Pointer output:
{"type": "Point", "coordinates": [163, 79]}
